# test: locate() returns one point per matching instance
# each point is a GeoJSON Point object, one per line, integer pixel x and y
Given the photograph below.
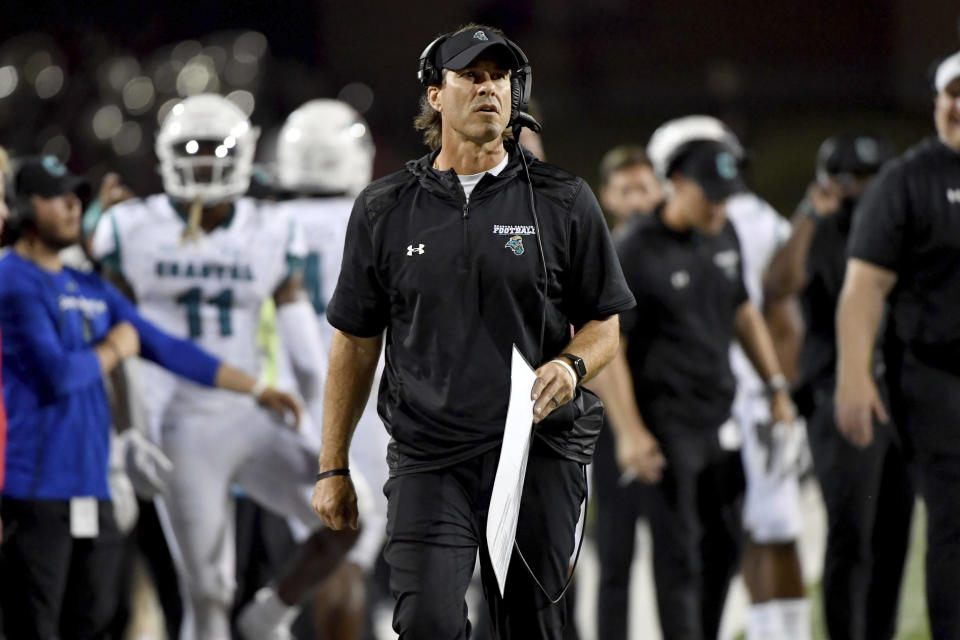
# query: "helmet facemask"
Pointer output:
{"type": "Point", "coordinates": [206, 151]}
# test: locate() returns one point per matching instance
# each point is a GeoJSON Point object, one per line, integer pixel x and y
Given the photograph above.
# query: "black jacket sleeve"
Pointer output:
{"type": "Point", "coordinates": [360, 305]}
{"type": "Point", "coordinates": [594, 287]}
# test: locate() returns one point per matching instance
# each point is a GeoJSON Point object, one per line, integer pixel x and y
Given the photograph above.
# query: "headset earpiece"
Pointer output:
{"type": "Point", "coordinates": [521, 82]}
{"type": "Point", "coordinates": [427, 71]}
{"type": "Point", "coordinates": [21, 207]}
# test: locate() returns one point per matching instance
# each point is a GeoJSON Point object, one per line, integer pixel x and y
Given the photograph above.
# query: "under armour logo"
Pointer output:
{"type": "Point", "coordinates": [412, 249]}
{"type": "Point", "coordinates": [680, 279]}
{"type": "Point", "coordinates": [953, 196]}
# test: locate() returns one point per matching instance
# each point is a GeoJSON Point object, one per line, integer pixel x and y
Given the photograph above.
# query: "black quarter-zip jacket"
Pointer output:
{"type": "Point", "coordinates": [456, 283]}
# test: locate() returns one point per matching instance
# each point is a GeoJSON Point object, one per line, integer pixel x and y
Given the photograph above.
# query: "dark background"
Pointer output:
{"type": "Point", "coordinates": [783, 74]}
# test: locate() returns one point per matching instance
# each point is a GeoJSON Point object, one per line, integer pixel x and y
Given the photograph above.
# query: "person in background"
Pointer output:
{"type": "Point", "coordinates": [868, 492]}
{"type": "Point", "coordinates": [628, 185]}
{"type": "Point", "coordinates": [628, 188]}
{"type": "Point", "coordinates": [64, 330]}
{"type": "Point", "coordinates": [903, 251]}
{"type": "Point", "coordinates": [201, 259]}
{"type": "Point", "coordinates": [4, 215]}
{"type": "Point", "coordinates": [670, 388]}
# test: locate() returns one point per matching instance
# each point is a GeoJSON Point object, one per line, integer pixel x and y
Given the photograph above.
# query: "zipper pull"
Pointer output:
{"type": "Point", "coordinates": [466, 210]}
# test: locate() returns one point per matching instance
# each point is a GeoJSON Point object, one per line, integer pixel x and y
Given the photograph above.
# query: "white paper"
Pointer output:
{"type": "Point", "coordinates": [512, 468]}
{"type": "Point", "coordinates": [84, 520]}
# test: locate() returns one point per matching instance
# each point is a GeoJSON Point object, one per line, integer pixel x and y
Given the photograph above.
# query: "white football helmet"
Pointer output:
{"type": "Point", "coordinates": [325, 146]}
{"type": "Point", "coordinates": [206, 146]}
{"type": "Point", "coordinates": [670, 138]}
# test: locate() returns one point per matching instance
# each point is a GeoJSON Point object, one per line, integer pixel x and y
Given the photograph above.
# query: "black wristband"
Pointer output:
{"type": "Point", "coordinates": [332, 472]}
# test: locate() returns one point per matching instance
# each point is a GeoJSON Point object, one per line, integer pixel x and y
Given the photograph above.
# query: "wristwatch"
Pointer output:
{"type": "Point", "coordinates": [578, 365]}
{"type": "Point", "coordinates": [777, 383]}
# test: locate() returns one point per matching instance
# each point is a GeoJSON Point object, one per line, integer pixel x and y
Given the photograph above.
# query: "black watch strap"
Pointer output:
{"type": "Point", "coordinates": [578, 365]}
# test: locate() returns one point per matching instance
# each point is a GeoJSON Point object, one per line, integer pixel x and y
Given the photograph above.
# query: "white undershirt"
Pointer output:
{"type": "Point", "coordinates": [468, 182]}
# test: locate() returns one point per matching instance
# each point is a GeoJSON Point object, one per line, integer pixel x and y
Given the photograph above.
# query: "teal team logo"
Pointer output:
{"type": "Point", "coordinates": [53, 166]}
{"type": "Point", "coordinates": [515, 243]}
{"type": "Point", "coordinates": [480, 35]}
{"type": "Point", "coordinates": [726, 166]}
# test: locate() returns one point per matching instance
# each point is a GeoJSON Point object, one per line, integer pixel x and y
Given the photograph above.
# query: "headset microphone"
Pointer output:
{"type": "Point", "coordinates": [523, 119]}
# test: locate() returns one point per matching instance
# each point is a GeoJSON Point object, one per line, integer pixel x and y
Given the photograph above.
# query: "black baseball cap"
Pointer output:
{"type": "Point", "coordinates": [459, 50]}
{"type": "Point", "coordinates": [713, 166]}
{"type": "Point", "coordinates": [47, 177]}
{"type": "Point", "coordinates": [857, 154]}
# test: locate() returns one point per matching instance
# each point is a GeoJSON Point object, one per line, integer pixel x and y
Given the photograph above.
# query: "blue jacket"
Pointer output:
{"type": "Point", "coordinates": [58, 419]}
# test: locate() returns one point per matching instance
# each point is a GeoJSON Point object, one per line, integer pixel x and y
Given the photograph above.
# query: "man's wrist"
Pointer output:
{"type": "Point", "coordinates": [777, 383]}
{"type": "Point", "coordinates": [258, 388]}
{"type": "Point", "coordinates": [568, 369]}
{"type": "Point", "coordinates": [334, 462]}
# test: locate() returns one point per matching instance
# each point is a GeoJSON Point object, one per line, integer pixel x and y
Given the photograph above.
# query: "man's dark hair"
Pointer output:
{"type": "Point", "coordinates": [428, 120]}
{"type": "Point", "coordinates": [619, 158]}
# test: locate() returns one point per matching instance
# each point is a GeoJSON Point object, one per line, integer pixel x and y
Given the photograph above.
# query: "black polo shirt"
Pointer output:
{"type": "Point", "coordinates": [825, 268]}
{"type": "Point", "coordinates": [456, 284]}
{"type": "Point", "coordinates": [688, 287]}
{"type": "Point", "coordinates": [908, 221]}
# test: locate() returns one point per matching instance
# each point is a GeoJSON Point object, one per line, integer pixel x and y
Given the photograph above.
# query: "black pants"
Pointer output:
{"type": "Point", "coordinates": [616, 512]}
{"type": "Point", "coordinates": [695, 519]}
{"type": "Point", "coordinates": [51, 585]}
{"type": "Point", "coordinates": [436, 522]}
{"type": "Point", "coordinates": [926, 401]}
{"type": "Point", "coordinates": [869, 496]}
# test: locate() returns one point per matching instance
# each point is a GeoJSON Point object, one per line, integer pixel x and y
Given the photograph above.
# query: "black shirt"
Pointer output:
{"type": "Point", "coordinates": [688, 286]}
{"type": "Point", "coordinates": [908, 221]}
{"type": "Point", "coordinates": [825, 267]}
{"type": "Point", "coordinates": [456, 284]}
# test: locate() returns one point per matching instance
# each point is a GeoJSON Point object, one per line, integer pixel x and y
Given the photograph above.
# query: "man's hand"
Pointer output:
{"type": "Point", "coordinates": [639, 455]}
{"type": "Point", "coordinates": [123, 337]}
{"type": "Point", "coordinates": [335, 501]}
{"type": "Point", "coordinates": [112, 191]}
{"type": "Point", "coordinates": [856, 403]}
{"type": "Point", "coordinates": [781, 408]}
{"type": "Point", "coordinates": [280, 403]}
{"type": "Point", "coordinates": [553, 387]}
{"type": "Point", "coordinates": [825, 201]}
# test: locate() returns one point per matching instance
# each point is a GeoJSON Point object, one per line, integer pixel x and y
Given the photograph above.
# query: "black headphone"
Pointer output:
{"type": "Point", "coordinates": [521, 81]}
{"type": "Point", "coordinates": [22, 214]}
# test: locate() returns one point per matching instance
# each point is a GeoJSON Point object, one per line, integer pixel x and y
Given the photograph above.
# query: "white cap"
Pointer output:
{"type": "Point", "coordinates": [947, 71]}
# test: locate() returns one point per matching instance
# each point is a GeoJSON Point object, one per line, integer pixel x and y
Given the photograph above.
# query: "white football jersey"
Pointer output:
{"type": "Point", "coordinates": [761, 231]}
{"type": "Point", "coordinates": [209, 287]}
{"type": "Point", "coordinates": [324, 224]}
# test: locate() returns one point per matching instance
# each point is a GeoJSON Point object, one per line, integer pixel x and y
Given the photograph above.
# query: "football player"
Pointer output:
{"type": "Point", "coordinates": [200, 260]}
{"type": "Point", "coordinates": [324, 159]}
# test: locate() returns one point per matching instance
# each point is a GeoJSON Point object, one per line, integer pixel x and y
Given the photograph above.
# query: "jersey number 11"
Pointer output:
{"type": "Point", "coordinates": [192, 300]}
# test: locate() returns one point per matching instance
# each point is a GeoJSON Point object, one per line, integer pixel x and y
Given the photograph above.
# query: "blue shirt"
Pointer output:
{"type": "Point", "coordinates": [58, 419]}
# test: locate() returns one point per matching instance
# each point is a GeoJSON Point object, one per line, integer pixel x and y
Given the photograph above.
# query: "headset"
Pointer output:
{"type": "Point", "coordinates": [521, 81]}
{"type": "Point", "coordinates": [22, 213]}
